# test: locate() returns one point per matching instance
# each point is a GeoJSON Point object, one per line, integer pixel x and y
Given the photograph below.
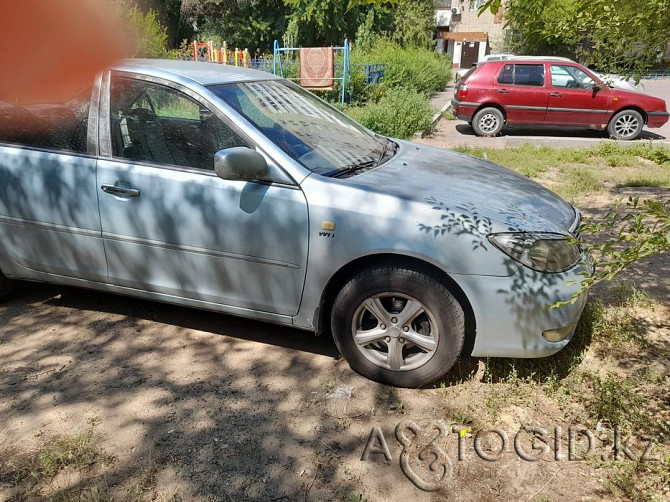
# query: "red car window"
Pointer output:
{"type": "Point", "coordinates": [522, 74]}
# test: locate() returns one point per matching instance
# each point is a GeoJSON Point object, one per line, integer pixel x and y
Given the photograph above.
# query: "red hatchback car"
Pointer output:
{"type": "Point", "coordinates": [551, 93]}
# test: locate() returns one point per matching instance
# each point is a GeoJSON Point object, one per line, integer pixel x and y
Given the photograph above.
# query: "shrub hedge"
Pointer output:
{"type": "Point", "coordinates": [422, 70]}
{"type": "Point", "coordinates": [398, 106]}
{"type": "Point", "coordinates": [399, 113]}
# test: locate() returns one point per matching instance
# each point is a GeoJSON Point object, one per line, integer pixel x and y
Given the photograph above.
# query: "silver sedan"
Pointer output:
{"type": "Point", "coordinates": [233, 190]}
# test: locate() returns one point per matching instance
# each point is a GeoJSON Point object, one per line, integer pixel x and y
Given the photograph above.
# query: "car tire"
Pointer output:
{"type": "Point", "coordinates": [488, 122]}
{"type": "Point", "coordinates": [625, 125]}
{"type": "Point", "coordinates": [413, 326]}
{"type": "Point", "coordinates": [6, 286]}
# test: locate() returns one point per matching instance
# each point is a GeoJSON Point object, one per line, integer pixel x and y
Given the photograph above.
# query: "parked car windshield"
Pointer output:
{"type": "Point", "coordinates": [318, 136]}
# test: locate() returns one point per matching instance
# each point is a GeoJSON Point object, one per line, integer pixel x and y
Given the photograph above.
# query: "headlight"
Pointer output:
{"type": "Point", "coordinates": [543, 252]}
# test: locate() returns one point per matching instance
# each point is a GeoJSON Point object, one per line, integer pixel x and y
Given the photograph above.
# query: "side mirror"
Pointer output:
{"type": "Point", "coordinates": [598, 87]}
{"type": "Point", "coordinates": [240, 164]}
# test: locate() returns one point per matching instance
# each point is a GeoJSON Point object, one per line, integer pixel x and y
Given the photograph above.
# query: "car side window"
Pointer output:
{"type": "Point", "coordinates": [570, 77]}
{"type": "Point", "coordinates": [59, 125]}
{"type": "Point", "coordinates": [506, 75]}
{"type": "Point", "coordinates": [154, 123]}
{"type": "Point", "coordinates": [529, 74]}
{"type": "Point", "coordinates": [522, 74]}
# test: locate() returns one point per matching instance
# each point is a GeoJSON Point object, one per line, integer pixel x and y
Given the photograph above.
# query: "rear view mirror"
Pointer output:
{"type": "Point", "coordinates": [240, 164]}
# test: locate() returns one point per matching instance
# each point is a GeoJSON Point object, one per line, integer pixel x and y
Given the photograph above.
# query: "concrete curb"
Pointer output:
{"type": "Point", "coordinates": [433, 122]}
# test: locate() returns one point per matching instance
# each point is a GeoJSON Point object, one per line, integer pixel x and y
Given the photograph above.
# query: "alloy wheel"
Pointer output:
{"type": "Point", "coordinates": [626, 126]}
{"type": "Point", "coordinates": [395, 331]}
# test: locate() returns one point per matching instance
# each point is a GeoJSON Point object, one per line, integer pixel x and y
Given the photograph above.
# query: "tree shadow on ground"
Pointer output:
{"type": "Point", "coordinates": [191, 396]}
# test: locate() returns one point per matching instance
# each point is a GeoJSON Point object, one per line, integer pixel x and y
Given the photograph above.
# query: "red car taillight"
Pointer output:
{"type": "Point", "coordinates": [462, 92]}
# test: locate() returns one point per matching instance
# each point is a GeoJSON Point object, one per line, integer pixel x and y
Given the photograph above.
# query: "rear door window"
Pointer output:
{"type": "Point", "coordinates": [522, 74]}
{"type": "Point", "coordinates": [59, 125]}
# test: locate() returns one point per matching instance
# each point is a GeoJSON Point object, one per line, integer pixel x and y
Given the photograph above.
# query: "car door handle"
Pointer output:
{"type": "Point", "coordinates": [556, 95]}
{"type": "Point", "coordinates": [503, 91]}
{"type": "Point", "coordinates": [117, 190]}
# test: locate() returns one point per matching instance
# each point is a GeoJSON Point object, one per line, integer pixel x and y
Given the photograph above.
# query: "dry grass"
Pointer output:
{"type": "Point", "coordinates": [576, 172]}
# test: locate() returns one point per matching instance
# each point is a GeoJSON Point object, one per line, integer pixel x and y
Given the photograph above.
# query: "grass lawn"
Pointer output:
{"type": "Point", "coordinates": [574, 172]}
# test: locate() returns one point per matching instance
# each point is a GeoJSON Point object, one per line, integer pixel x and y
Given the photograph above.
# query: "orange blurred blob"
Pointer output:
{"type": "Point", "coordinates": [51, 49]}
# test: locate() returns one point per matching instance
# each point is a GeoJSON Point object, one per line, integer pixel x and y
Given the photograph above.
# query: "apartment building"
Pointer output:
{"type": "Point", "coordinates": [465, 35]}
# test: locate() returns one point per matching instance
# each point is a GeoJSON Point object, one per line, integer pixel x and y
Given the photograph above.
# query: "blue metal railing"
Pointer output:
{"type": "Point", "coordinates": [653, 74]}
{"type": "Point", "coordinates": [374, 73]}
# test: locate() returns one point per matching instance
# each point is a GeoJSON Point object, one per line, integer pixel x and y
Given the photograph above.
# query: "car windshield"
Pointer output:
{"type": "Point", "coordinates": [321, 138]}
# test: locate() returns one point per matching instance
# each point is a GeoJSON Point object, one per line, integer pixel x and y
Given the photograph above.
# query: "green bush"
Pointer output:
{"type": "Point", "coordinates": [399, 113]}
{"type": "Point", "coordinates": [414, 23]}
{"type": "Point", "coordinates": [421, 70]}
{"type": "Point", "coordinates": [144, 28]}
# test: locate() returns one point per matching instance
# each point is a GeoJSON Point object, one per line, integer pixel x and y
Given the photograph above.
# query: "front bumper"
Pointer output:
{"type": "Point", "coordinates": [657, 119]}
{"type": "Point", "coordinates": [512, 312]}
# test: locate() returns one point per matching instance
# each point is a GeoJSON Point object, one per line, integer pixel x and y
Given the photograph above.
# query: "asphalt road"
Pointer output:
{"type": "Point", "coordinates": [457, 132]}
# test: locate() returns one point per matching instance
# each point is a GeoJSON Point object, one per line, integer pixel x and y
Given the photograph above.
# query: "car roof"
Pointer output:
{"type": "Point", "coordinates": [200, 72]}
{"type": "Point", "coordinates": [541, 58]}
{"type": "Point", "coordinates": [492, 57]}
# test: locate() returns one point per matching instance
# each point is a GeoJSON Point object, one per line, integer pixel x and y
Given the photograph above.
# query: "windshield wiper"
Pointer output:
{"type": "Point", "coordinates": [355, 167]}
{"type": "Point", "coordinates": [389, 146]}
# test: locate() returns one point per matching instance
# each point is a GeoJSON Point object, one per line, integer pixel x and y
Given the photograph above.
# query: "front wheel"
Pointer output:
{"type": "Point", "coordinates": [626, 125]}
{"type": "Point", "coordinates": [398, 326]}
{"type": "Point", "coordinates": [488, 122]}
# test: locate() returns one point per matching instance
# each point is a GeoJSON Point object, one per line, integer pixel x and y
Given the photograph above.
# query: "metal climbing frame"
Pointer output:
{"type": "Point", "coordinates": [345, 72]}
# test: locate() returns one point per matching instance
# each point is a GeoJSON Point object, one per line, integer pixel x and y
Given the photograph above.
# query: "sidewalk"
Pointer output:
{"type": "Point", "coordinates": [440, 101]}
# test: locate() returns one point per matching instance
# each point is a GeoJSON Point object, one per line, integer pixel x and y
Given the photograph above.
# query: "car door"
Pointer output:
{"type": "Point", "coordinates": [49, 221]}
{"type": "Point", "coordinates": [573, 101]}
{"type": "Point", "coordinates": [172, 227]}
{"type": "Point", "coordinates": [521, 89]}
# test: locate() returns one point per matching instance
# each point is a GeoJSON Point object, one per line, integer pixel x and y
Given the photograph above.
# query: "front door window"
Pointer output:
{"type": "Point", "coordinates": [570, 77]}
{"type": "Point", "coordinates": [158, 124]}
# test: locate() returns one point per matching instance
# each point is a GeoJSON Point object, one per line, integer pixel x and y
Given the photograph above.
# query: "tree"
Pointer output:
{"type": "Point", "coordinates": [177, 26]}
{"type": "Point", "coordinates": [629, 36]}
{"type": "Point", "coordinates": [252, 24]}
{"type": "Point", "coordinates": [149, 35]}
{"type": "Point", "coordinates": [376, 3]}
{"type": "Point", "coordinates": [415, 24]}
{"type": "Point", "coordinates": [543, 27]}
{"type": "Point", "coordinates": [612, 35]}
{"type": "Point", "coordinates": [323, 22]}
{"type": "Point", "coordinates": [639, 229]}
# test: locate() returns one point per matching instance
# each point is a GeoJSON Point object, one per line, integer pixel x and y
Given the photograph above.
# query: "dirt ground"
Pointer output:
{"type": "Point", "coordinates": [192, 405]}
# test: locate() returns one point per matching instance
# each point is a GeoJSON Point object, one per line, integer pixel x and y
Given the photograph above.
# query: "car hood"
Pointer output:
{"type": "Point", "coordinates": [641, 99]}
{"type": "Point", "coordinates": [469, 185]}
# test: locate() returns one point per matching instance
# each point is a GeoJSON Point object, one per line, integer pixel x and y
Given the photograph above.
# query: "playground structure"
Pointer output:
{"type": "Point", "coordinates": [205, 51]}
{"type": "Point", "coordinates": [344, 67]}
{"type": "Point", "coordinates": [285, 63]}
